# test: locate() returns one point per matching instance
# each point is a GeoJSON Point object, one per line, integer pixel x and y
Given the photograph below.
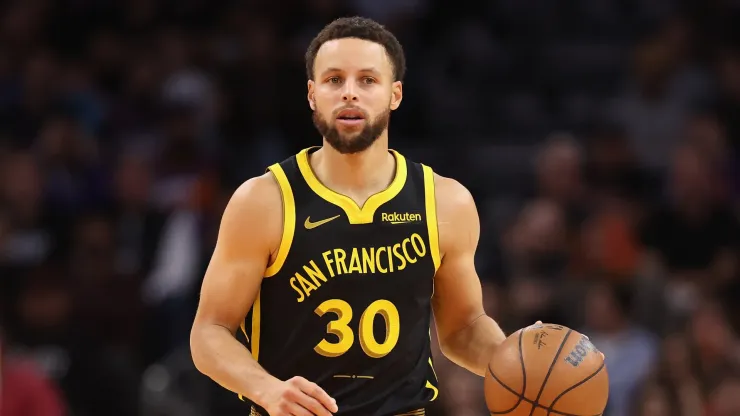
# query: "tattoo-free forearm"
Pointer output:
{"type": "Point", "coordinates": [472, 347]}
{"type": "Point", "coordinates": [217, 354]}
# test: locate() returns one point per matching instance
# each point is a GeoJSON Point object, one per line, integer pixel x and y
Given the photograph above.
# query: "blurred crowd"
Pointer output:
{"type": "Point", "coordinates": [600, 139]}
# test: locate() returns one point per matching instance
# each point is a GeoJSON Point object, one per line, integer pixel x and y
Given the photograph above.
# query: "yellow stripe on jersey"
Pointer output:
{"type": "Point", "coordinates": [429, 384]}
{"type": "Point", "coordinates": [432, 365]}
{"type": "Point", "coordinates": [254, 344]}
{"type": "Point", "coordinates": [288, 220]}
{"type": "Point", "coordinates": [254, 340]}
{"type": "Point", "coordinates": [355, 213]}
{"type": "Point", "coordinates": [431, 208]}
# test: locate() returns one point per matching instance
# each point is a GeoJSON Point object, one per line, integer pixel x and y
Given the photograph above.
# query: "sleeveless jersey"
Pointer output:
{"type": "Point", "coordinates": [347, 301]}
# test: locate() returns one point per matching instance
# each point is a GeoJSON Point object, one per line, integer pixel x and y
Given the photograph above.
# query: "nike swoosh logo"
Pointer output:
{"type": "Point", "coordinates": [310, 225]}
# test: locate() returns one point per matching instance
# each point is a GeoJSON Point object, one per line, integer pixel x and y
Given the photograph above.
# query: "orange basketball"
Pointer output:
{"type": "Point", "coordinates": [547, 370]}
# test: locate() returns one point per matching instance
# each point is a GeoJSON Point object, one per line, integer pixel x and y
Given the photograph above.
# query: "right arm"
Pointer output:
{"type": "Point", "coordinates": [249, 235]}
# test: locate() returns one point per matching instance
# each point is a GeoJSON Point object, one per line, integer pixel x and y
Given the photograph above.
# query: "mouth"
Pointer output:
{"type": "Point", "coordinates": [350, 116]}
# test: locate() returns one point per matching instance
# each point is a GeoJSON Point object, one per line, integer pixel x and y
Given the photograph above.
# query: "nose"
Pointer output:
{"type": "Point", "coordinates": [349, 92]}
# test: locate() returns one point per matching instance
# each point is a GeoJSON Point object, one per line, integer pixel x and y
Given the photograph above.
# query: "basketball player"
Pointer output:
{"type": "Point", "coordinates": [338, 256]}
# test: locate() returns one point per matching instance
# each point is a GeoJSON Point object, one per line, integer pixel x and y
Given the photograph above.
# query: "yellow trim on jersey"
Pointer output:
{"type": "Point", "coordinates": [288, 220]}
{"type": "Point", "coordinates": [254, 343]}
{"type": "Point", "coordinates": [355, 213]}
{"type": "Point", "coordinates": [254, 340]}
{"type": "Point", "coordinates": [431, 207]}
{"type": "Point", "coordinates": [243, 326]}
{"type": "Point", "coordinates": [434, 390]}
{"type": "Point", "coordinates": [429, 384]}
{"type": "Point", "coordinates": [432, 365]}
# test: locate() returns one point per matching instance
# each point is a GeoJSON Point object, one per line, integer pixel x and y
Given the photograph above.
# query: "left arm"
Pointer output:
{"type": "Point", "coordinates": [467, 336]}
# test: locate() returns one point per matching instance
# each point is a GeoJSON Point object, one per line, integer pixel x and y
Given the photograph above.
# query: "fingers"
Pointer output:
{"type": "Point", "coordinates": [319, 396]}
{"type": "Point", "coordinates": [298, 403]}
{"type": "Point", "coordinates": [294, 409]}
{"type": "Point", "coordinates": [313, 406]}
{"type": "Point", "coordinates": [603, 357]}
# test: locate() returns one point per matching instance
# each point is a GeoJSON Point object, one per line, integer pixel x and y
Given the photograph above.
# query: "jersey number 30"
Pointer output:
{"type": "Point", "coordinates": [340, 328]}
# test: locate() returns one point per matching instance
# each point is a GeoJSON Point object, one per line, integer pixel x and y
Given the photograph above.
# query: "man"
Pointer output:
{"type": "Point", "coordinates": [338, 255]}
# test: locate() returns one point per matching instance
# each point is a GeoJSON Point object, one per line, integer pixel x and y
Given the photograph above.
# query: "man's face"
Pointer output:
{"type": "Point", "coordinates": [353, 93]}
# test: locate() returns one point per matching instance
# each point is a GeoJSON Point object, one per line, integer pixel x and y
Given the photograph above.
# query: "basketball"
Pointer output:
{"type": "Point", "coordinates": [546, 369]}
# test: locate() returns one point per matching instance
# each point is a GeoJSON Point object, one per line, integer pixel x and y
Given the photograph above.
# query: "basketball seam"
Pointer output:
{"type": "Point", "coordinates": [551, 412]}
{"type": "Point", "coordinates": [535, 404]}
{"type": "Point", "coordinates": [509, 389]}
{"type": "Point", "coordinates": [571, 388]}
{"type": "Point", "coordinates": [549, 409]}
{"type": "Point", "coordinates": [549, 371]}
{"type": "Point", "coordinates": [524, 380]}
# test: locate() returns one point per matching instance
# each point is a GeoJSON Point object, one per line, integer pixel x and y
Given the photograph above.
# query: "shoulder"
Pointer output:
{"type": "Point", "coordinates": [254, 209]}
{"type": "Point", "coordinates": [457, 215]}
{"type": "Point", "coordinates": [451, 195]}
{"type": "Point", "coordinates": [257, 192]}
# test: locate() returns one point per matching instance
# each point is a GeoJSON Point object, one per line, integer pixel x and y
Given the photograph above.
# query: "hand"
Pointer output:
{"type": "Point", "coordinates": [299, 397]}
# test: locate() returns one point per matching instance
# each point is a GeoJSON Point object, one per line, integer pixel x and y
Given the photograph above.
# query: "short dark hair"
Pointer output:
{"type": "Point", "coordinates": [360, 28]}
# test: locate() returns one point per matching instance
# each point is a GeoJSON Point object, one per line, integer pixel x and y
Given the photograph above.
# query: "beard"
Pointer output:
{"type": "Point", "coordinates": [354, 142]}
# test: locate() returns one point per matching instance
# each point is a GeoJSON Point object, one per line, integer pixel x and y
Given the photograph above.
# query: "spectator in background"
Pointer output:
{"type": "Point", "coordinates": [698, 365]}
{"type": "Point", "coordinates": [69, 160]}
{"type": "Point", "coordinates": [73, 334]}
{"type": "Point", "coordinates": [137, 224]}
{"type": "Point", "coordinates": [727, 68]}
{"type": "Point", "coordinates": [611, 163]}
{"type": "Point", "coordinates": [706, 132]}
{"type": "Point", "coordinates": [538, 245]}
{"type": "Point", "coordinates": [662, 89]}
{"type": "Point", "coordinates": [609, 325]}
{"type": "Point", "coordinates": [693, 237]}
{"type": "Point", "coordinates": [537, 255]}
{"type": "Point", "coordinates": [465, 391]}
{"type": "Point", "coordinates": [715, 345]}
{"type": "Point", "coordinates": [35, 231]}
{"type": "Point", "coordinates": [724, 399]}
{"type": "Point", "coordinates": [676, 377]}
{"type": "Point", "coordinates": [559, 175]}
{"type": "Point", "coordinates": [655, 400]}
{"type": "Point", "coordinates": [24, 391]}
{"type": "Point", "coordinates": [609, 245]}
{"type": "Point", "coordinates": [708, 135]}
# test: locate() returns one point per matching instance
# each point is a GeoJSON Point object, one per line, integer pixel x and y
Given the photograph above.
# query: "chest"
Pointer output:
{"type": "Point", "coordinates": [340, 249]}
{"type": "Point", "coordinates": [359, 258]}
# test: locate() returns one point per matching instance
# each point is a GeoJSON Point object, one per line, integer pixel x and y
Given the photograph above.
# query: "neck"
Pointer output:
{"type": "Point", "coordinates": [371, 170]}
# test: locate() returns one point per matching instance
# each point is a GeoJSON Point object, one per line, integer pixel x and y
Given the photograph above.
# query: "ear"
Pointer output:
{"type": "Point", "coordinates": [311, 88]}
{"type": "Point", "coordinates": [396, 94]}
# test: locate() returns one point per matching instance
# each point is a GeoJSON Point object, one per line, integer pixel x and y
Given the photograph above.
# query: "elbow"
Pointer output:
{"type": "Point", "coordinates": [196, 350]}
{"type": "Point", "coordinates": [446, 342]}
{"type": "Point", "coordinates": [446, 349]}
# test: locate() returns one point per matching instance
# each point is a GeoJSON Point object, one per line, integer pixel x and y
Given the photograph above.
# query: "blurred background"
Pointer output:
{"type": "Point", "coordinates": [600, 138]}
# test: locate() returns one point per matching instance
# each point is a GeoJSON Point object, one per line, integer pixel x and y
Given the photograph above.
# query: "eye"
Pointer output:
{"type": "Point", "coordinates": [368, 80]}
{"type": "Point", "coordinates": [333, 80]}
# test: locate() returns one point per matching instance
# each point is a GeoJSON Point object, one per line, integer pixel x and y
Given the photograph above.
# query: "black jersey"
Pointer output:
{"type": "Point", "coordinates": [347, 302]}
